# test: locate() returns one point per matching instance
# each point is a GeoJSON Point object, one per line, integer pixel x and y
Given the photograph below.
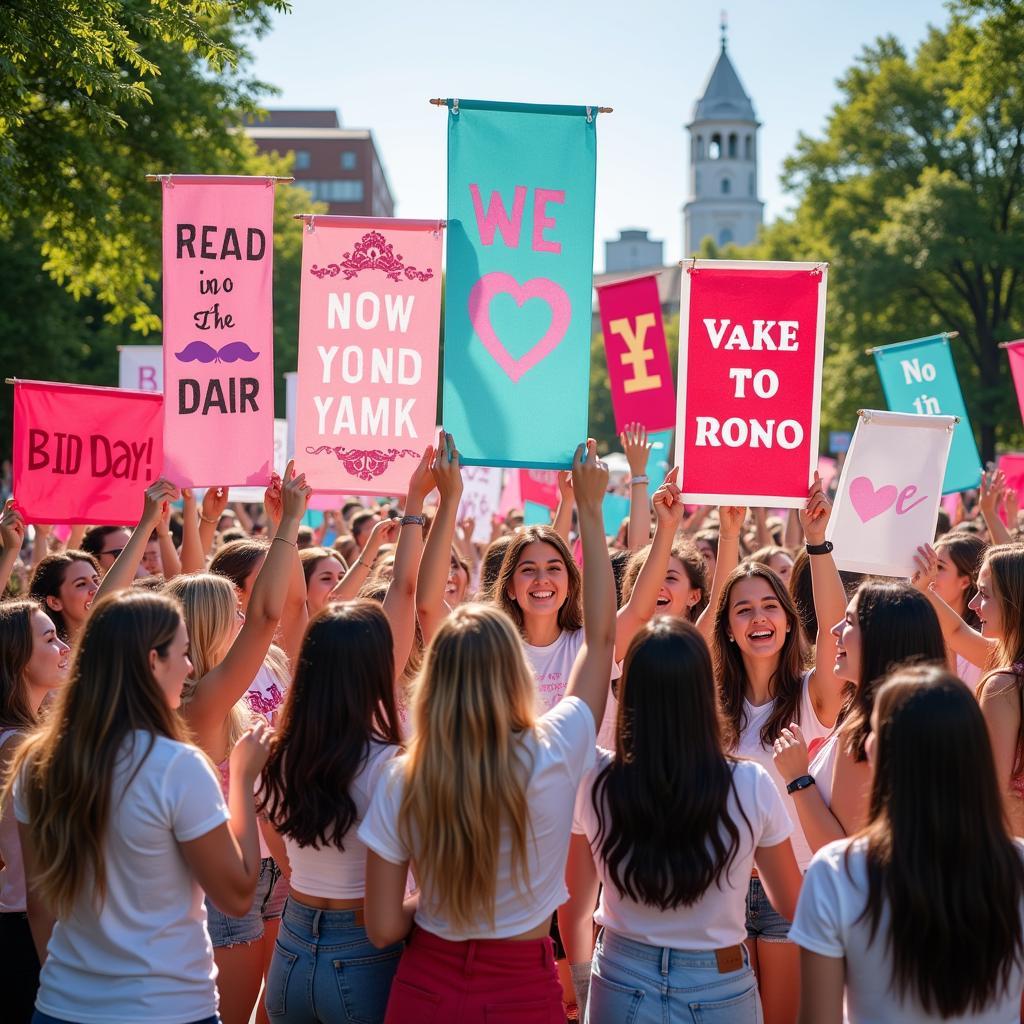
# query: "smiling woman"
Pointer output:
{"type": "Point", "coordinates": [64, 584]}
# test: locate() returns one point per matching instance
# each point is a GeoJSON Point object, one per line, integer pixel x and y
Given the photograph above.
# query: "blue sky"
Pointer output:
{"type": "Point", "coordinates": [379, 62]}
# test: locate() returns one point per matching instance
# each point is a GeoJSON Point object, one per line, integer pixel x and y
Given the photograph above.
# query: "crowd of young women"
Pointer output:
{"type": "Point", "coordinates": [326, 786]}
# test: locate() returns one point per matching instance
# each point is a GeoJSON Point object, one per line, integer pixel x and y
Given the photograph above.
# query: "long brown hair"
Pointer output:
{"type": "Point", "coordinates": [693, 564]}
{"type": "Point", "coordinates": [340, 701]}
{"type": "Point", "coordinates": [67, 767]}
{"type": "Point", "coordinates": [898, 626]}
{"type": "Point", "coordinates": [465, 778]}
{"type": "Point", "coordinates": [787, 680]}
{"type": "Point", "coordinates": [48, 578]}
{"type": "Point", "coordinates": [939, 857]}
{"type": "Point", "coordinates": [16, 643]}
{"type": "Point", "coordinates": [664, 829]}
{"type": "Point", "coordinates": [966, 551]}
{"type": "Point", "coordinates": [570, 615]}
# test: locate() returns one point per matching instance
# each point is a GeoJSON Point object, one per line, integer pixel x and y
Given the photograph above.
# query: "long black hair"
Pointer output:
{"type": "Point", "coordinates": [664, 831]}
{"type": "Point", "coordinates": [341, 699]}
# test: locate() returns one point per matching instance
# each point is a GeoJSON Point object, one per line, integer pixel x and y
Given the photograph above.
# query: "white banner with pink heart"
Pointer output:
{"type": "Point", "coordinates": [889, 491]}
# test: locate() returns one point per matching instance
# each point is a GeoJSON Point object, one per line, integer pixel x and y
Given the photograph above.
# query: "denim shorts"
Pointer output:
{"type": "Point", "coordinates": [267, 905]}
{"type": "Point", "coordinates": [633, 983]}
{"type": "Point", "coordinates": [764, 922]}
{"type": "Point", "coordinates": [325, 968]}
{"type": "Point", "coordinates": [44, 1018]}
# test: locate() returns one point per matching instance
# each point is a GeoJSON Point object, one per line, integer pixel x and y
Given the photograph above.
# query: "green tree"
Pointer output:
{"type": "Point", "coordinates": [913, 194]}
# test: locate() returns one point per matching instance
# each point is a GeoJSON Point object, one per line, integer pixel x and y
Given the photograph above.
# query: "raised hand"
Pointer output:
{"type": "Point", "coordinates": [421, 483]}
{"type": "Point", "coordinates": [589, 475]}
{"type": "Point", "coordinates": [12, 527]}
{"type": "Point", "coordinates": [159, 495]}
{"type": "Point", "coordinates": [730, 521]}
{"type": "Point", "coordinates": [273, 500]}
{"type": "Point", "coordinates": [636, 447]}
{"type": "Point", "coordinates": [446, 468]}
{"type": "Point", "coordinates": [814, 516]}
{"type": "Point", "coordinates": [993, 483]}
{"type": "Point", "coordinates": [790, 753]}
{"type": "Point", "coordinates": [926, 568]}
{"type": "Point", "coordinates": [215, 500]}
{"type": "Point", "coordinates": [295, 494]}
{"type": "Point", "coordinates": [668, 500]}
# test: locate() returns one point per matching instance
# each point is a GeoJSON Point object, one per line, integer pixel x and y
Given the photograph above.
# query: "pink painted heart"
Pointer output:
{"type": "Point", "coordinates": [869, 501]}
{"type": "Point", "coordinates": [498, 283]}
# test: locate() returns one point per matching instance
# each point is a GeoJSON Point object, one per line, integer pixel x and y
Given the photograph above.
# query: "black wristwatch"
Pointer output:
{"type": "Point", "coordinates": [819, 549]}
{"type": "Point", "coordinates": [802, 783]}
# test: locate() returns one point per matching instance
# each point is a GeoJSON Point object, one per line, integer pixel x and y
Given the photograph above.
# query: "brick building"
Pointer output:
{"type": "Point", "coordinates": [339, 166]}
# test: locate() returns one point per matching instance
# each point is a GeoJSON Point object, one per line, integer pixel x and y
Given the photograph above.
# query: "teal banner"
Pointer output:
{"type": "Point", "coordinates": [919, 376]}
{"type": "Point", "coordinates": [518, 281]}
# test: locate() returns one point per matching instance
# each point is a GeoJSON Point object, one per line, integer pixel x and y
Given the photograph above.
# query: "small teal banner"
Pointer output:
{"type": "Point", "coordinates": [519, 278]}
{"type": "Point", "coordinates": [919, 376]}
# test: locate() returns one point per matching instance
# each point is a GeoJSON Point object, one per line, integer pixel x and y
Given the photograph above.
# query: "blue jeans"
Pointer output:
{"type": "Point", "coordinates": [326, 969]}
{"type": "Point", "coordinates": [764, 922]}
{"type": "Point", "coordinates": [633, 983]}
{"type": "Point", "coordinates": [44, 1018]}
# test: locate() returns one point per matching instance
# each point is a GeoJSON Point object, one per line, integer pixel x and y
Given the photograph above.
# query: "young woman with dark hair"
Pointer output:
{"type": "Point", "coordinates": [918, 917]}
{"type": "Point", "coordinates": [322, 569]}
{"type": "Point", "coordinates": [763, 687]}
{"type": "Point", "coordinates": [960, 556]}
{"type": "Point", "coordinates": [33, 664]}
{"type": "Point", "coordinates": [998, 648]}
{"type": "Point", "coordinates": [338, 731]}
{"type": "Point", "coordinates": [673, 826]}
{"type": "Point", "coordinates": [123, 827]}
{"type": "Point", "coordinates": [887, 624]}
{"type": "Point", "coordinates": [481, 802]}
{"type": "Point", "coordinates": [65, 585]}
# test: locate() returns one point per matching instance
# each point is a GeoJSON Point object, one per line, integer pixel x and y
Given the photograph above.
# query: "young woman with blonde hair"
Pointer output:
{"type": "Point", "coordinates": [481, 805]}
{"type": "Point", "coordinates": [123, 827]}
{"type": "Point", "coordinates": [33, 664]}
{"type": "Point", "coordinates": [229, 648]}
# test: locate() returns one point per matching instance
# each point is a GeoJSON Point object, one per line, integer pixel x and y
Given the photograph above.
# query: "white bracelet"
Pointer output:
{"type": "Point", "coordinates": [642, 479]}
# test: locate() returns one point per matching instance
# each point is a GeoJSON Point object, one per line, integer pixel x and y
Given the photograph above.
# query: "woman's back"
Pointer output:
{"type": "Point", "coordinates": [555, 753]}
{"type": "Point", "coordinates": [830, 921]}
{"type": "Point", "coordinates": [716, 919]}
{"type": "Point", "coordinates": [145, 947]}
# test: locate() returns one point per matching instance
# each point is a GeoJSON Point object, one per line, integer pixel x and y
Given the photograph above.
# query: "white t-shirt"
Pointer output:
{"type": "Point", "coordinates": [831, 902]}
{"type": "Point", "coordinates": [145, 953]}
{"type": "Point", "coordinates": [328, 871]}
{"type": "Point", "coordinates": [750, 746]}
{"type": "Point", "coordinates": [562, 749]}
{"type": "Point", "coordinates": [718, 918]}
{"type": "Point", "coordinates": [969, 672]}
{"type": "Point", "coordinates": [551, 668]}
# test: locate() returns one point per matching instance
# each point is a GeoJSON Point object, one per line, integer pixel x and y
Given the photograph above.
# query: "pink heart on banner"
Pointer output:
{"type": "Point", "coordinates": [497, 283]}
{"type": "Point", "coordinates": [868, 501]}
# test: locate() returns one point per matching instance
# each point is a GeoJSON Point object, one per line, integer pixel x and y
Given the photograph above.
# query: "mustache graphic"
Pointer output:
{"type": "Point", "coordinates": [201, 352]}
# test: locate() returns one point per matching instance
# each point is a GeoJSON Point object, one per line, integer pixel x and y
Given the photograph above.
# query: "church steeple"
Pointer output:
{"type": "Point", "coordinates": [723, 200]}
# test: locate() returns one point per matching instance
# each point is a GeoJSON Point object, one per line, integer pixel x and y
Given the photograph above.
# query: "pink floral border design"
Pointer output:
{"type": "Point", "coordinates": [372, 252]}
{"type": "Point", "coordinates": [364, 463]}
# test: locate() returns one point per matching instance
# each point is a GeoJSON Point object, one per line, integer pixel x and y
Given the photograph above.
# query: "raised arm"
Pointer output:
{"type": "Point", "coordinates": [562, 524]}
{"type": "Point", "coordinates": [435, 565]}
{"type": "Point", "coordinates": [295, 615]}
{"type": "Point", "coordinates": [762, 533]}
{"type": "Point", "coordinates": [591, 673]}
{"type": "Point", "coordinates": [168, 554]}
{"type": "Point", "coordinates": [120, 575]}
{"type": "Point", "coordinates": [643, 601]}
{"type": "Point", "coordinates": [637, 450]}
{"type": "Point", "coordinates": [730, 525]}
{"type": "Point", "coordinates": [400, 600]}
{"type": "Point", "coordinates": [12, 534]}
{"type": "Point", "coordinates": [224, 684]}
{"type": "Point", "coordinates": [40, 542]}
{"type": "Point", "coordinates": [993, 485]}
{"type": "Point", "coordinates": [959, 637]}
{"type": "Point", "coordinates": [215, 500]}
{"type": "Point", "coordinates": [829, 606]}
{"type": "Point", "coordinates": [347, 588]}
{"type": "Point", "coordinates": [193, 558]}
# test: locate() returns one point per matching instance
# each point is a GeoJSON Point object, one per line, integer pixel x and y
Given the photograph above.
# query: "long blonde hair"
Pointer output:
{"type": "Point", "coordinates": [67, 765]}
{"type": "Point", "coordinates": [464, 777]}
{"type": "Point", "coordinates": [210, 604]}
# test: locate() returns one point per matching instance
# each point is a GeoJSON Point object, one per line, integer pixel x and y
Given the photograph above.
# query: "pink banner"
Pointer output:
{"type": "Point", "coordinates": [1013, 466]}
{"type": "Point", "coordinates": [1015, 351]}
{"type": "Point", "coordinates": [369, 326]}
{"type": "Point", "coordinates": [540, 486]}
{"type": "Point", "coordinates": [218, 241]}
{"type": "Point", "coordinates": [95, 471]}
{"type": "Point", "coordinates": [639, 374]}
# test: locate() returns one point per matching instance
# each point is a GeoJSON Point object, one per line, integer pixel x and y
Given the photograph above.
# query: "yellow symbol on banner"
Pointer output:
{"type": "Point", "coordinates": [637, 356]}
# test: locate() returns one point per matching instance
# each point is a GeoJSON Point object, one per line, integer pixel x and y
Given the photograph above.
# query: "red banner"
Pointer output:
{"type": "Point", "coordinates": [639, 374]}
{"type": "Point", "coordinates": [95, 471]}
{"type": "Point", "coordinates": [218, 243]}
{"type": "Point", "coordinates": [1015, 352]}
{"type": "Point", "coordinates": [751, 339]}
{"type": "Point", "coordinates": [540, 486]}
